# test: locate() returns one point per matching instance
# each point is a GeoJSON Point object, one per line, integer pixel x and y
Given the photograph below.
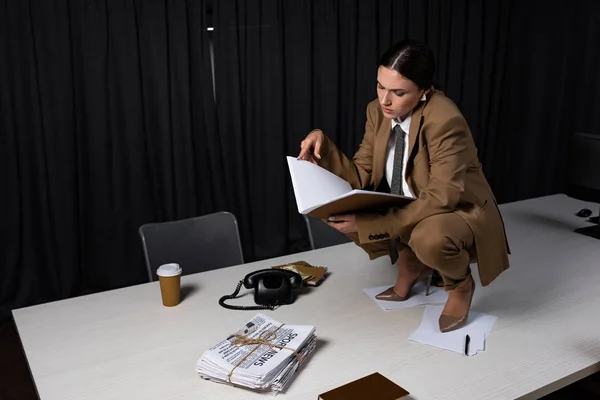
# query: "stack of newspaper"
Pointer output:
{"type": "Point", "coordinates": [262, 356]}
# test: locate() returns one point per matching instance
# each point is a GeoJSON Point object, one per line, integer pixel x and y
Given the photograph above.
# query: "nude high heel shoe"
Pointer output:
{"type": "Point", "coordinates": [391, 295]}
{"type": "Point", "coordinates": [456, 311]}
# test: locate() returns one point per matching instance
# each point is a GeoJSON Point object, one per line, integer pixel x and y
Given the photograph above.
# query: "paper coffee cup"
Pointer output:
{"type": "Point", "coordinates": [169, 276]}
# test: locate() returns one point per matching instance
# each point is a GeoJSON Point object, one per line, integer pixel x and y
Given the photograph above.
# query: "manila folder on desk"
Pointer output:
{"type": "Point", "coordinates": [321, 193]}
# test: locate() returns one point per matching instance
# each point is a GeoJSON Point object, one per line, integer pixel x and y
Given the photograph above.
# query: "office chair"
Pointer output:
{"type": "Point", "coordinates": [197, 244]}
{"type": "Point", "coordinates": [322, 235]}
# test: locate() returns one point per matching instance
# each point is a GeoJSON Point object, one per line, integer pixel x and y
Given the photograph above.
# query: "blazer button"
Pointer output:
{"type": "Point", "coordinates": [371, 237]}
{"type": "Point", "coordinates": [387, 235]}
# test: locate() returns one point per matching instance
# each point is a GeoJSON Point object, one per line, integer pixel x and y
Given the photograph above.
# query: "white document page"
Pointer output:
{"type": "Point", "coordinates": [478, 327]}
{"type": "Point", "coordinates": [314, 185]}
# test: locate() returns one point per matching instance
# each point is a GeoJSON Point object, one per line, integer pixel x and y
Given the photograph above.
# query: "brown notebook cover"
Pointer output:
{"type": "Point", "coordinates": [371, 387]}
{"type": "Point", "coordinates": [358, 202]}
{"type": "Point", "coordinates": [311, 275]}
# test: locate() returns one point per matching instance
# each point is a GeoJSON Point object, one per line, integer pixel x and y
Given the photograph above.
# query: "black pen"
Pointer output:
{"type": "Point", "coordinates": [467, 340]}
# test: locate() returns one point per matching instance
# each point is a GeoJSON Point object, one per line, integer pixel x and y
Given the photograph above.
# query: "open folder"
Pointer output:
{"type": "Point", "coordinates": [320, 193]}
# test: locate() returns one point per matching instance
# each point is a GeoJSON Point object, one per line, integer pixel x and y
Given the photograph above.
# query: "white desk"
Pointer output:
{"type": "Point", "coordinates": [124, 344]}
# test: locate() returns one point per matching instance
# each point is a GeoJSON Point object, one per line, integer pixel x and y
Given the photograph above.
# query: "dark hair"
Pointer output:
{"type": "Point", "coordinates": [413, 60]}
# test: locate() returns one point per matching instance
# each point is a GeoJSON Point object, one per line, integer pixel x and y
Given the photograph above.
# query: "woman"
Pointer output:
{"type": "Point", "coordinates": [417, 143]}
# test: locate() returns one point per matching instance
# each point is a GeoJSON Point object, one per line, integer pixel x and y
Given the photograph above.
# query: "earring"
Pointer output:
{"type": "Point", "coordinates": [423, 98]}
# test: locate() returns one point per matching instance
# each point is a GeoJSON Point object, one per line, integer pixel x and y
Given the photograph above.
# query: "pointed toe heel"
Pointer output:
{"type": "Point", "coordinates": [448, 323]}
{"type": "Point", "coordinates": [456, 311]}
{"type": "Point", "coordinates": [390, 295]}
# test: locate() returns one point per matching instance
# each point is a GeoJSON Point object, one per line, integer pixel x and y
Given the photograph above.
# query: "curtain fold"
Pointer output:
{"type": "Point", "coordinates": [107, 121]}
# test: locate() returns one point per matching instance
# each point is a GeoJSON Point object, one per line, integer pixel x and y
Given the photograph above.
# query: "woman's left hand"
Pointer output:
{"type": "Point", "coordinates": [343, 223]}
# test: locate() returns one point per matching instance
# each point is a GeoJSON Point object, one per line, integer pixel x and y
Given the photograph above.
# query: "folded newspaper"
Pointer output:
{"type": "Point", "coordinates": [262, 356]}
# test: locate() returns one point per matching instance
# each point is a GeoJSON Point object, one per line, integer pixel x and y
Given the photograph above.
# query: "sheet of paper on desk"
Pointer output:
{"type": "Point", "coordinates": [478, 326]}
{"type": "Point", "coordinates": [417, 297]}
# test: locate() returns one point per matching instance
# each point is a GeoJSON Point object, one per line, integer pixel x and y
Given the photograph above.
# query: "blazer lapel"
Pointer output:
{"type": "Point", "coordinates": [413, 135]}
{"type": "Point", "coordinates": [415, 127]}
{"type": "Point", "coordinates": [380, 151]}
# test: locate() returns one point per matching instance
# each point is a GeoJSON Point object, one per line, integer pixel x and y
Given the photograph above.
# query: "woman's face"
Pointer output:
{"type": "Point", "coordinates": [397, 94]}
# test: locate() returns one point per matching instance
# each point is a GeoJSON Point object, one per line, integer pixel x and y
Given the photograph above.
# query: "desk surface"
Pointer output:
{"type": "Point", "coordinates": [123, 344]}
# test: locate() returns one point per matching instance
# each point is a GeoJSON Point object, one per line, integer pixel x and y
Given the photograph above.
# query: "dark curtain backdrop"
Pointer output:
{"type": "Point", "coordinates": [107, 121]}
{"type": "Point", "coordinates": [524, 74]}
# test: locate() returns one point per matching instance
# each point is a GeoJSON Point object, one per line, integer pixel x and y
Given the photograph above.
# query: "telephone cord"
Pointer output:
{"type": "Point", "coordinates": [234, 295]}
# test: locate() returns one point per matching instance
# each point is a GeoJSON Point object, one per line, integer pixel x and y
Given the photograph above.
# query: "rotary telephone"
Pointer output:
{"type": "Point", "coordinates": [272, 287]}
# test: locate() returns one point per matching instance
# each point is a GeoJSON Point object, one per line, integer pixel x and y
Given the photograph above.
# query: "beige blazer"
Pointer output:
{"type": "Point", "coordinates": [443, 171]}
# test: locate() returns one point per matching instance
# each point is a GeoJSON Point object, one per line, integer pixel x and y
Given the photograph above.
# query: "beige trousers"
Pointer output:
{"type": "Point", "coordinates": [443, 242]}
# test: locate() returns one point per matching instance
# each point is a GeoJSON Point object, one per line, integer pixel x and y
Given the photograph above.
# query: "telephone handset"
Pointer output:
{"type": "Point", "coordinates": [272, 287]}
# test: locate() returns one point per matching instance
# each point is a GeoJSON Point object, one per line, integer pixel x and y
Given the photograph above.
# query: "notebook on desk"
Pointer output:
{"type": "Point", "coordinates": [311, 275]}
{"type": "Point", "coordinates": [371, 387]}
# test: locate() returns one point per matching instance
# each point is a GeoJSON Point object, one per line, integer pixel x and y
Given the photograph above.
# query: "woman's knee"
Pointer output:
{"type": "Point", "coordinates": [432, 245]}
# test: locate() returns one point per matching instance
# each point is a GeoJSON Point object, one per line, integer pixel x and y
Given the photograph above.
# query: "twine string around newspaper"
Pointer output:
{"type": "Point", "coordinates": [263, 338]}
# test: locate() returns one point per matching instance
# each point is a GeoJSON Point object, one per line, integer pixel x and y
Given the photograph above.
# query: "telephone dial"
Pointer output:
{"type": "Point", "coordinates": [272, 287]}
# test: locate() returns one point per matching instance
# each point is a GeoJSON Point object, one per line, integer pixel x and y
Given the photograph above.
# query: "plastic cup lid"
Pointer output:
{"type": "Point", "coordinates": [166, 270]}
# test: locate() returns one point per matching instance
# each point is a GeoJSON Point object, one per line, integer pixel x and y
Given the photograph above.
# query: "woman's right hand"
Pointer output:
{"type": "Point", "coordinates": [311, 146]}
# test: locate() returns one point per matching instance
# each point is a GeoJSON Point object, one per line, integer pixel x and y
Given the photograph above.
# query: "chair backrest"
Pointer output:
{"type": "Point", "coordinates": [322, 235]}
{"type": "Point", "coordinates": [197, 244]}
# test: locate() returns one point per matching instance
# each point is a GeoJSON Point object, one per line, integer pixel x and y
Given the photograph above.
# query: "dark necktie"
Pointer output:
{"type": "Point", "coordinates": [397, 179]}
{"type": "Point", "coordinates": [398, 171]}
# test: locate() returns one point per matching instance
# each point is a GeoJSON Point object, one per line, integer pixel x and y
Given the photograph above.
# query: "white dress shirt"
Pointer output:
{"type": "Point", "coordinates": [391, 150]}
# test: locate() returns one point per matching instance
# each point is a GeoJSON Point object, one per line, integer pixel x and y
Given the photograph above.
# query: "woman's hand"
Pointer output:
{"type": "Point", "coordinates": [343, 223]}
{"type": "Point", "coordinates": [313, 140]}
